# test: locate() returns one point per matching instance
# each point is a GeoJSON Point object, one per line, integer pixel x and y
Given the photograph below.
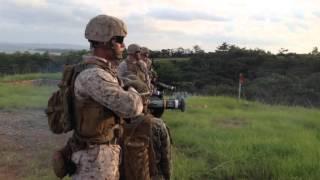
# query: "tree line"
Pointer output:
{"type": "Point", "coordinates": [282, 78]}
{"type": "Point", "coordinates": [25, 62]}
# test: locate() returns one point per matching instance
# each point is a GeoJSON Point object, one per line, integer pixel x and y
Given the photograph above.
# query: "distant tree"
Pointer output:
{"type": "Point", "coordinates": [155, 54]}
{"type": "Point", "coordinates": [224, 47]}
{"type": "Point", "coordinates": [180, 51]}
{"type": "Point", "coordinates": [197, 49]}
{"type": "Point", "coordinates": [283, 51]}
{"type": "Point", "coordinates": [165, 52]}
{"type": "Point", "coordinates": [188, 51]}
{"type": "Point", "coordinates": [315, 51]}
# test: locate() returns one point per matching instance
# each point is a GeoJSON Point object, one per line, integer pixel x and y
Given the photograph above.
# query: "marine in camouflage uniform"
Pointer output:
{"type": "Point", "coordinates": [145, 57]}
{"type": "Point", "coordinates": [100, 101]}
{"type": "Point", "coordinates": [134, 65]}
{"type": "Point", "coordinates": [162, 149]}
{"type": "Point", "coordinates": [151, 72]}
{"type": "Point", "coordinates": [160, 135]}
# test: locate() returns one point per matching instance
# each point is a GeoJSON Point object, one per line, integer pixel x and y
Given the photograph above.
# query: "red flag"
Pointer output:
{"type": "Point", "coordinates": [241, 79]}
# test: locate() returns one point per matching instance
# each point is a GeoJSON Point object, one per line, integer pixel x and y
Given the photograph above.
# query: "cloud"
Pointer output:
{"type": "Point", "coordinates": [58, 21]}
{"type": "Point", "coordinates": [259, 18]}
{"type": "Point", "coordinates": [317, 13]}
{"type": "Point", "coordinates": [142, 30]}
{"type": "Point", "coordinates": [54, 15]}
{"type": "Point", "coordinates": [168, 24]}
{"type": "Point", "coordinates": [297, 26]}
{"type": "Point", "coordinates": [31, 3]}
{"type": "Point", "coordinates": [299, 15]}
{"type": "Point", "coordinates": [179, 15]}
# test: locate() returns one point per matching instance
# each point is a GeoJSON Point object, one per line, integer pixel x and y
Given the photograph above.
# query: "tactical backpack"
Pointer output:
{"type": "Point", "coordinates": [60, 105]}
{"type": "Point", "coordinates": [138, 153]}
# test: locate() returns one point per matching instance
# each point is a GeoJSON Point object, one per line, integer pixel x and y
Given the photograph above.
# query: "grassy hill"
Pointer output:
{"type": "Point", "coordinates": [222, 138]}
{"type": "Point", "coordinates": [216, 138]}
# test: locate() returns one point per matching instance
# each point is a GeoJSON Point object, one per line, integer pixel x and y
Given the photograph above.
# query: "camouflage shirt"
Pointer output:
{"type": "Point", "coordinates": [104, 88]}
{"type": "Point", "coordinates": [124, 71]}
{"type": "Point", "coordinates": [148, 63]}
{"type": "Point", "coordinates": [162, 148]}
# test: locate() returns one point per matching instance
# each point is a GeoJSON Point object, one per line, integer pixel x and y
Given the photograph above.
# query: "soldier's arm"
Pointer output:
{"type": "Point", "coordinates": [122, 69]}
{"type": "Point", "coordinates": [165, 153]}
{"type": "Point", "coordinates": [102, 87]}
{"type": "Point", "coordinates": [164, 146]}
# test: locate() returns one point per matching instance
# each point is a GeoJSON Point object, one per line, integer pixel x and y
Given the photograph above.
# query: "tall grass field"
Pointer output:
{"type": "Point", "coordinates": [19, 95]}
{"type": "Point", "coordinates": [221, 137]}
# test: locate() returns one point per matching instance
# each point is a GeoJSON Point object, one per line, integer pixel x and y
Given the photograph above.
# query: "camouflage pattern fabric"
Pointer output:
{"type": "Point", "coordinates": [103, 27]}
{"type": "Point", "coordinates": [162, 149]}
{"type": "Point", "coordinates": [104, 88]}
{"type": "Point", "coordinates": [99, 162]}
{"type": "Point", "coordinates": [102, 161]}
{"type": "Point", "coordinates": [124, 71]}
{"type": "Point", "coordinates": [151, 72]}
{"type": "Point", "coordinates": [148, 63]}
{"type": "Point", "coordinates": [133, 48]}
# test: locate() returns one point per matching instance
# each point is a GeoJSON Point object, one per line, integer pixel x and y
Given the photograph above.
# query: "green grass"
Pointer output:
{"type": "Point", "coordinates": [24, 96]}
{"type": "Point", "coordinates": [221, 138]}
{"type": "Point", "coordinates": [20, 77]}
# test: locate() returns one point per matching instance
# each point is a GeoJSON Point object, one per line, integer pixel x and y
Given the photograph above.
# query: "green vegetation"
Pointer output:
{"type": "Point", "coordinates": [284, 78]}
{"type": "Point", "coordinates": [24, 96]}
{"type": "Point", "coordinates": [16, 94]}
{"type": "Point", "coordinates": [173, 59]}
{"type": "Point", "coordinates": [30, 76]}
{"type": "Point", "coordinates": [222, 138]}
{"type": "Point", "coordinates": [216, 138]}
{"type": "Point", "coordinates": [25, 62]}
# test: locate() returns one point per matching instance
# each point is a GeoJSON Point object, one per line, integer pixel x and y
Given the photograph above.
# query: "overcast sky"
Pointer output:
{"type": "Point", "coordinates": [264, 24]}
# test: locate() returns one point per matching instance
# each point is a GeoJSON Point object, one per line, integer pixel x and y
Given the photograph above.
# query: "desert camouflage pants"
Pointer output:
{"type": "Point", "coordinates": [99, 162]}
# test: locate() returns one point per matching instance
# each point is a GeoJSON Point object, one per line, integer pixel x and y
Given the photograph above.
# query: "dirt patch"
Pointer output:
{"type": "Point", "coordinates": [232, 122]}
{"type": "Point", "coordinates": [8, 173]}
{"type": "Point", "coordinates": [26, 143]}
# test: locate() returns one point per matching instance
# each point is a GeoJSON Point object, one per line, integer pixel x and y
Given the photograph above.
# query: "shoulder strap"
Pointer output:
{"type": "Point", "coordinates": [104, 66]}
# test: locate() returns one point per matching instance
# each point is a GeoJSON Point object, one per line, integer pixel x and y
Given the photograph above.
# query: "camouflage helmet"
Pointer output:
{"type": "Point", "coordinates": [103, 27]}
{"type": "Point", "coordinates": [133, 48]}
{"type": "Point", "coordinates": [144, 50]}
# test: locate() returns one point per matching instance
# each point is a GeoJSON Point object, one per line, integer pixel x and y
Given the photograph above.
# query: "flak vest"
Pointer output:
{"type": "Point", "coordinates": [94, 123]}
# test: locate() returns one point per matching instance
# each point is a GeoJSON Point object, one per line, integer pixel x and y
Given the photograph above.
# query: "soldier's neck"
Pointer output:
{"type": "Point", "coordinates": [101, 53]}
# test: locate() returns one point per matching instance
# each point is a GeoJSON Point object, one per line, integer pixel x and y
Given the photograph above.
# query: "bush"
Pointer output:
{"type": "Point", "coordinates": [289, 90]}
